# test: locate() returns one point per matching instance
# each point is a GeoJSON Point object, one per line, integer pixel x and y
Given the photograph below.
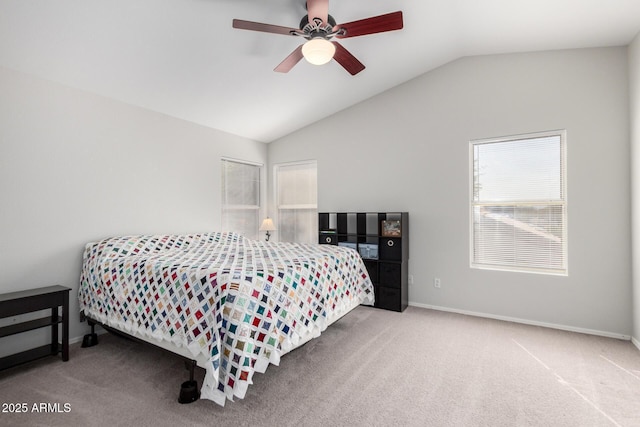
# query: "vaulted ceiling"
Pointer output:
{"type": "Point", "coordinates": [183, 58]}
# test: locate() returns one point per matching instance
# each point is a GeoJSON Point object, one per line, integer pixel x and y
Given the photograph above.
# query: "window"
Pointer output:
{"type": "Point", "coordinates": [518, 203]}
{"type": "Point", "coordinates": [297, 202]}
{"type": "Point", "coordinates": [241, 197]}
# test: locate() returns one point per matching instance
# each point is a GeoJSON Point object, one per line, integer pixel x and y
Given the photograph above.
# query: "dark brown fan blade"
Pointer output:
{"type": "Point", "coordinates": [377, 24]}
{"type": "Point", "coordinates": [266, 28]}
{"type": "Point", "coordinates": [347, 60]}
{"type": "Point", "coordinates": [318, 9]}
{"type": "Point", "coordinates": [291, 60]}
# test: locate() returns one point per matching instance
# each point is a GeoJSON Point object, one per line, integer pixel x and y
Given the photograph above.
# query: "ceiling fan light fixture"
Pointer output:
{"type": "Point", "coordinates": [318, 51]}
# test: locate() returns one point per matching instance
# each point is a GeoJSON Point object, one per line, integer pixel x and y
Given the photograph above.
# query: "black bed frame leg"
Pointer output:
{"type": "Point", "coordinates": [189, 389]}
{"type": "Point", "coordinates": [91, 339]}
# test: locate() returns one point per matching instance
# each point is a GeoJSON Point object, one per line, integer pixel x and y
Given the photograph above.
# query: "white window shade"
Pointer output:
{"type": "Point", "coordinates": [240, 184]}
{"type": "Point", "coordinates": [297, 185]}
{"type": "Point", "coordinates": [241, 198]}
{"type": "Point", "coordinates": [297, 202]}
{"type": "Point", "coordinates": [518, 206]}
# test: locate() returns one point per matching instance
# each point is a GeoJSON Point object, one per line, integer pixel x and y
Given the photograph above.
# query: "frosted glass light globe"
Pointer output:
{"type": "Point", "coordinates": [318, 51]}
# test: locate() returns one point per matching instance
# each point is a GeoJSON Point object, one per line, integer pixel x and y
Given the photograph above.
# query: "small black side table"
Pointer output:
{"type": "Point", "coordinates": [21, 302]}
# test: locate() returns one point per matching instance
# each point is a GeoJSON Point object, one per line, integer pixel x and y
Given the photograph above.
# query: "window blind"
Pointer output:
{"type": "Point", "coordinates": [297, 202]}
{"type": "Point", "coordinates": [518, 204]}
{"type": "Point", "coordinates": [241, 197]}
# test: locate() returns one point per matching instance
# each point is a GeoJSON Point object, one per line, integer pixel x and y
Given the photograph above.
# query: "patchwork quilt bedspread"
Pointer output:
{"type": "Point", "coordinates": [240, 303]}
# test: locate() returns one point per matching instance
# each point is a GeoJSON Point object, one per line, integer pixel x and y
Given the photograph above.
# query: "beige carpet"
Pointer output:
{"type": "Point", "coordinates": [373, 367]}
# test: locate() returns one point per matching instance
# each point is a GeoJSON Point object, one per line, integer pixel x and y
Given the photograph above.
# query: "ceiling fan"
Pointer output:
{"type": "Point", "coordinates": [319, 28]}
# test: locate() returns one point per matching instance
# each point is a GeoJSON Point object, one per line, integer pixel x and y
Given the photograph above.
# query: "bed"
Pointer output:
{"type": "Point", "coordinates": [231, 304]}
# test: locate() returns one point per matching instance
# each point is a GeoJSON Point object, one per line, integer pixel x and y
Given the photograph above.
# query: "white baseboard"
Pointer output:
{"type": "Point", "coordinates": [635, 342]}
{"type": "Point", "coordinates": [531, 322]}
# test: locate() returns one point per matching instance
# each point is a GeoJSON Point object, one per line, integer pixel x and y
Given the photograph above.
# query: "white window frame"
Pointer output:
{"type": "Point", "coordinates": [300, 206]}
{"type": "Point", "coordinates": [562, 203]}
{"type": "Point", "coordinates": [227, 208]}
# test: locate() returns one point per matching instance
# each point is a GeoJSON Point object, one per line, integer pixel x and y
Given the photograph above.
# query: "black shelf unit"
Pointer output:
{"type": "Point", "coordinates": [385, 256]}
{"type": "Point", "coordinates": [22, 302]}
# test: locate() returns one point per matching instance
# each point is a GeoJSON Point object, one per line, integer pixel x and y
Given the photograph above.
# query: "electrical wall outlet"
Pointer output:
{"type": "Point", "coordinates": [436, 282]}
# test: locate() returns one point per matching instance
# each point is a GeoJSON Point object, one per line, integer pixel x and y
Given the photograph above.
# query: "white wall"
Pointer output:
{"type": "Point", "coordinates": [75, 167]}
{"type": "Point", "coordinates": [634, 94]}
{"type": "Point", "coordinates": [407, 150]}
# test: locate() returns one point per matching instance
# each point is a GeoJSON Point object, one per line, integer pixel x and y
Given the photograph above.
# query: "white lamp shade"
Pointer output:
{"type": "Point", "coordinates": [267, 225]}
{"type": "Point", "coordinates": [318, 51]}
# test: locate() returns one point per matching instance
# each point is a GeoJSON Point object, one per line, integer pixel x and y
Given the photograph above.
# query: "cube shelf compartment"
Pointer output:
{"type": "Point", "coordinates": [382, 239]}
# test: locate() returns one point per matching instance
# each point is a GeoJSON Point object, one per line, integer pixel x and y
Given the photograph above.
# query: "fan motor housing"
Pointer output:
{"type": "Point", "coordinates": [304, 23]}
